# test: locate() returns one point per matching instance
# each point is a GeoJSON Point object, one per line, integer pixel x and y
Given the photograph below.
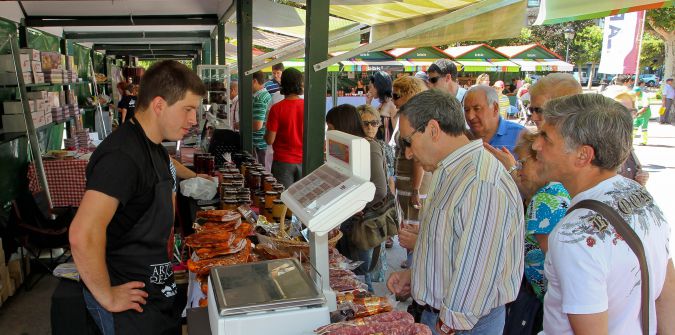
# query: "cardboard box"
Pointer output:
{"type": "Point", "coordinates": [28, 78]}
{"type": "Point", "coordinates": [53, 98]}
{"type": "Point", "coordinates": [7, 63]}
{"type": "Point", "coordinates": [38, 78]}
{"type": "Point", "coordinates": [51, 61]}
{"type": "Point", "coordinates": [37, 95]}
{"type": "Point", "coordinates": [35, 66]}
{"type": "Point", "coordinates": [13, 123]}
{"type": "Point", "coordinates": [33, 53]}
{"type": "Point", "coordinates": [12, 107]}
{"type": "Point", "coordinates": [48, 118]}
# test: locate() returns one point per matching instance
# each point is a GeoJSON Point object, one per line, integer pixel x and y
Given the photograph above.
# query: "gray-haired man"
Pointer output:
{"type": "Point", "coordinates": [593, 276]}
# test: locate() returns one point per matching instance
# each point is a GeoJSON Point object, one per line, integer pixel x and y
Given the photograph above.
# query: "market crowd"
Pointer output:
{"type": "Point", "coordinates": [490, 211]}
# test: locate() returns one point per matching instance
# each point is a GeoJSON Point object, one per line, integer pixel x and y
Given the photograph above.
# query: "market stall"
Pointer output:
{"type": "Point", "coordinates": [418, 59]}
{"type": "Point", "coordinates": [535, 58]}
{"type": "Point", "coordinates": [482, 58]}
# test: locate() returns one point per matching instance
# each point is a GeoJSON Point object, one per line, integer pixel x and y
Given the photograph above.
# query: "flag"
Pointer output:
{"type": "Point", "coordinates": [621, 43]}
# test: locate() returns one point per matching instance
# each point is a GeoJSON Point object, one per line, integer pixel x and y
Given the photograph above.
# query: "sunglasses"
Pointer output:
{"type": "Point", "coordinates": [433, 80]}
{"type": "Point", "coordinates": [407, 141]}
{"type": "Point", "coordinates": [374, 123]}
{"type": "Point", "coordinates": [536, 110]}
{"type": "Point", "coordinates": [396, 96]}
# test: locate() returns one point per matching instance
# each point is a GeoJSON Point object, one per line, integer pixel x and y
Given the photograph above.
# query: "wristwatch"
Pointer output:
{"type": "Point", "coordinates": [445, 329]}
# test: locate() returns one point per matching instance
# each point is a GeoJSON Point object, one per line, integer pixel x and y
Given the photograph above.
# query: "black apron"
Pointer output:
{"type": "Point", "coordinates": [141, 255]}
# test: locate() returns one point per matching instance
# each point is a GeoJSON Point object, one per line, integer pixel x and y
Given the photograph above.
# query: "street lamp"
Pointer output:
{"type": "Point", "coordinates": [569, 36]}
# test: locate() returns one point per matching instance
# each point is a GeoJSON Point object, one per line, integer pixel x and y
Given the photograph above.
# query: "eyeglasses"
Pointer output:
{"type": "Point", "coordinates": [396, 96]}
{"type": "Point", "coordinates": [433, 80]}
{"type": "Point", "coordinates": [537, 110]}
{"type": "Point", "coordinates": [407, 141]}
{"type": "Point", "coordinates": [373, 123]}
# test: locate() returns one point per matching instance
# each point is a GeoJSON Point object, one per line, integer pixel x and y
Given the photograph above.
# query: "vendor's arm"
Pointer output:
{"type": "Point", "coordinates": [183, 172]}
{"type": "Point", "coordinates": [88, 243]}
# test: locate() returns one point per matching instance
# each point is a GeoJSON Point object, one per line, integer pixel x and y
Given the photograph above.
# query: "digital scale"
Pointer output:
{"type": "Point", "coordinates": [278, 297]}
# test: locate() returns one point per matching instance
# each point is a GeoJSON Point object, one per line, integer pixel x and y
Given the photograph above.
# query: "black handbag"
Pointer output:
{"type": "Point", "coordinates": [524, 316]}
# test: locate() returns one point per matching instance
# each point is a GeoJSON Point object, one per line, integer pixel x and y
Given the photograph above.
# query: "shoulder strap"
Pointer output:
{"type": "Point", "coordinates": [635, 244]}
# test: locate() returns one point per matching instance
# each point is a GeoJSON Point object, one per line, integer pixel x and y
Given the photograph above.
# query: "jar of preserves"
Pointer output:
{"type": "Point", "coordinates": [270, 196]}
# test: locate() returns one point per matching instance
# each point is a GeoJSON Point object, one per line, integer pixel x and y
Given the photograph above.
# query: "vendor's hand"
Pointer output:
{"type": "Point", "coordinates": [407, 236]}
{"type": "Point", "coordinates": [641, 177]}
{"type": "Point", "coordinates": [415, 201]}
{"type": "Point", "coordinates": [399, 283]}
{"type": "Point", "coordinates": [503, 155]}
{"type": "Point", "coordinates": [127, 296]}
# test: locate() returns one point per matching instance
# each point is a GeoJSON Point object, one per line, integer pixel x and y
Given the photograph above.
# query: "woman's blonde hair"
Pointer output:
{"type": "Point", "coordinates": [481, 77]}
{"type": "Point", "coordinates": [524, 145]}
{"type": "Point", "coordinates": [409, 86]}
{"type": "Point", "coordinates": [368, 109]}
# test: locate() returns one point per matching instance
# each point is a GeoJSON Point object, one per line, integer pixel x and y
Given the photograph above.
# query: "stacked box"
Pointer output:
{"type": "Point", "coordinates": [51, 61]}
{"type": "Point", "coordinates": [70, 63]}
{"type": "Point", "coordinates": [7, 63]}
{"type": "Point", "coordinates": [58, 114]}
{"type": "Point", "coordinates": [13, 123]}
{"type": "Point", "coordinates": [37, 95]}
{"type": "Point", "coordinates": [53, 98]}
{"type": "Point", "coordinates": [38, 78]}
{"type": "Point", "coordinates": [12, 107]}
{"type": "Point", "coordinates": [54, 76]}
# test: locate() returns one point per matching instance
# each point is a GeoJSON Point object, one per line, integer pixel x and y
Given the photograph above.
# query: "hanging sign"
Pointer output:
{"type": "Point", "coordinates": [621, 42]}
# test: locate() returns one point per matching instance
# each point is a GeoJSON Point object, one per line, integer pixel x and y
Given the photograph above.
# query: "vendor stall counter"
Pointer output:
{"type": "Point", "coordinates": [277, 297]}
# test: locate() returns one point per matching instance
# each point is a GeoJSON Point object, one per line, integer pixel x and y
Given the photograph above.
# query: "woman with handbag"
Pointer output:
{"type": "Point", "coordinates": [355, 244]}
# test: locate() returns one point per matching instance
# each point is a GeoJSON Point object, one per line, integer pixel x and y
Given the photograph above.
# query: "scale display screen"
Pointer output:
{"type": "Point", "coordinates": [339, 151]}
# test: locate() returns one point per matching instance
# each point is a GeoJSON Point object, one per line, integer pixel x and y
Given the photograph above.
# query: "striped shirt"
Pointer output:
{"type": "Point", "coordinates": [469, 253]}
{"type": "Point", "coordinates": [272, 86]}
{"type": "Point", "coordinates": [261, 101]}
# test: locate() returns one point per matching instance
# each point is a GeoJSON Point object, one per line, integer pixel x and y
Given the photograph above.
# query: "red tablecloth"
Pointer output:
{"type": "Point", "coordinates": [66, 180]}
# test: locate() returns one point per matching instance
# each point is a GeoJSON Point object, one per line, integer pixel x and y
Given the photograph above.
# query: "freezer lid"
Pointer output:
{"type": "Point", "coordinates": [263, 286]}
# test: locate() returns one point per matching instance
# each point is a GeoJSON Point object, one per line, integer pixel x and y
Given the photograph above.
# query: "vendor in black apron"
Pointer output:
{"type": "Point", "coordinates": [120, 232]}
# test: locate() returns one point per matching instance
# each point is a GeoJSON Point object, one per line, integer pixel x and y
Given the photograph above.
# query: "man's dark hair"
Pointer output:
{"type": "Point", "coordinates": [383, 84]}
{"type": "Point", "coordinates": [443, 67]}
{"type": "Point", "coordinates": [259, 77]}
{"type": "Point", "coordinates": [170, 80]}
{"type": "Point", "coordinates": [278, 67]}
{"type": "Point", "coordinates": [291, 82]}
{"type": "Point", "coordinates": [346, 119]}
{"type": "Point", "coordinates": [435, 105]}
{"type": "Point", "coordinates": [623, 78]}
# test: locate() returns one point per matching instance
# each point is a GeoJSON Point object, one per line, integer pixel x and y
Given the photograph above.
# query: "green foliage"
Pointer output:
{"type": "Point", "coordinates": [662, 18]}
{"type": "Point", "coordinates": [653, 50]}
{"type": "Point", "coordinates": [588, 43]}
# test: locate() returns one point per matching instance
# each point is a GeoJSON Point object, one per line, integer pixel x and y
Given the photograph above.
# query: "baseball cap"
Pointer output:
{"type": "Point", "coordinates": [443, 67]}
{"type": "Point", "coordinates": [422, 75]}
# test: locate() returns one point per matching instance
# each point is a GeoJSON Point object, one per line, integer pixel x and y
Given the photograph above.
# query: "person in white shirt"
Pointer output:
{"type": "Point", "coordinates": [593, 275]}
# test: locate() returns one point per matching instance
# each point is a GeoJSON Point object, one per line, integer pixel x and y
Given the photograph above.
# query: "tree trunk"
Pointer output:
{"type": "Point", "coordinates": [669, 57]}
{"type": "Point", "coordinates": [591, 75]}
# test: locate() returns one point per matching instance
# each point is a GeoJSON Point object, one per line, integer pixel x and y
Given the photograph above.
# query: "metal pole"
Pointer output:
{"type": "Point", "coordinates": [641, 30]}
{"type": "Point", "coordinates": [30, 127]}
{"type": "Point", "coordinates": [245, 59]}
{"type": "Point", "coordinates": [567, 52]}
{"type": "Point", "coordinates": [316, 50]}
{"type": "Point", "coordinates": [334, 90]}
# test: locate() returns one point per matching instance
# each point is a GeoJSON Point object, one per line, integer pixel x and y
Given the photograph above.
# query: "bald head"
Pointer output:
{"type": "Point", "coordinates": [554, 85]}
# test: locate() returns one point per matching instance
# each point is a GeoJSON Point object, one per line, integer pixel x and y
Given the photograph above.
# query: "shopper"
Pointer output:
{"type": "Point", "coordinates": [643, 113]}
{"type": "Point", "coordinates": [380, 87]}
{"type": "Point", "coordinates": [119, 235]}
{"type": "Point", "coordinates": [346, 119]}
{"type": "Point", "coordinates": [443, 76]}
{"type": "Point", "coordinates": [234, 104]}
{"type": "Point", "coordinates": [593, 276]}
{"type": "Point", "coordinates": [468, 261]}
{"type": "Point", "coordinates": [127, 105]}
{"type": "Point", "coordinates": [483, 79]}
{"type": "Point", "coordinates": [285, 129]}
{"type": "Point", "coordinates": [502, 99]}
{"type": "Point", "coordinates": [550, 87]}
{"type": "Point", "coordinates": [481, 109]}
{"type": "Point", "coordinates": [667, 99]}
{"type": "Point", "coordinates": [273, 86]}
{"type": "Point", "coordinates": [261, 104]}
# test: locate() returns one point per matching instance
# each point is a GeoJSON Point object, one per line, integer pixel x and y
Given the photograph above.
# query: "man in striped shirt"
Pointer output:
{"type": "Point", "coordinates": [468, 259]}
{"type": "Point", "coordinates": [261, 102]}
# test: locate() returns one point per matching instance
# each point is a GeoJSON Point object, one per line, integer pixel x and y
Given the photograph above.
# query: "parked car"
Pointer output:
{"type": "Point", "coordinates": [650, 79]}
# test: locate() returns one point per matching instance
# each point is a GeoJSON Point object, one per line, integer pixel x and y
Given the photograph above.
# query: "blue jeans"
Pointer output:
{"type": "Point", "coordinates": [366, 256]}
{"type": "Point", "coordinates": [490, 324]}
{"type": "Point", "coordinates": [103, 318]}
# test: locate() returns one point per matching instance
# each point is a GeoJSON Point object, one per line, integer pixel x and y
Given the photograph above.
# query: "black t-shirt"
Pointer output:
{"type": "Point", "coordinates": [121, 168]}
{"type": "Point", "coordinates": [128, 102]}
